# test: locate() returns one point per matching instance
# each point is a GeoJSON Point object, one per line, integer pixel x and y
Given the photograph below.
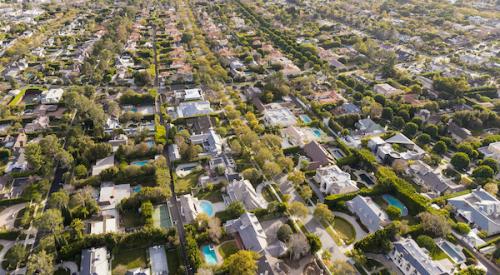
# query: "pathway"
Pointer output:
{"type": "Point", "coordinates": [311, 224]}
{"type": "Point", "coordinates": [316, 190]}
{"type": "Point", "coordinates": [6, 246]}
{"type": "Point", "coordinates": [8, 215]}
{"type": "Point", "coordinates": [72, 267]}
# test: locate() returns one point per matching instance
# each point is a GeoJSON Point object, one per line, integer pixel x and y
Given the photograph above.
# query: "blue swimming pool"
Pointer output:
{"type": "Point", "coordinates": [207, 208]}
{"type": "Point", "coordinates": [150, 143]}
{"type": "Point", "coordinates": [305, 118]}
{"type": "Point", "coordinates": [209, 254]}
{"type": "Point", "coordinates": [395, 202]}
{"type": "Point", "coordinates": [317, 132]}
{"type": "Point", "coordinates": [137, 189]}
{"type": "Point", "coordinates": [140, 162]}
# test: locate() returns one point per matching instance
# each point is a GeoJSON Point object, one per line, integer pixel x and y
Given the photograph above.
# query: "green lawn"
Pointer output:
{"type": "Point", "coordinates": [439, 255]}
{"type": "Point", "coordinates": [124, 260]}
{"type": "Point", "coordinates": [213, 196]}
{"type": "Point", "coordinates": [131, 219]}
{"type": "Point", "coordinates": [267, 194]}
{"type": "Point", "coordinates": [173, 261]}
{"type": "Point", "coordinates": [62, 271]}
{"type": "Point", "coordinates": [185, 184]}
{"type": "Point", "coordinates": [228, 248]}
{"type": "Point", "coordinates": [345, 230]}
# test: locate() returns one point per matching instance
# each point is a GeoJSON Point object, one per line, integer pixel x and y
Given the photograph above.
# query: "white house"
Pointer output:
{"type": "Point", "coordinates": [479, 208]}
{"type": "Point", "coordinates": [279, 117]}
{"type": "Point", "coordinates": [95, 262]}
{"type": "Point", "coordinates": [190, 207]}
{"type": "Point", "coordinates": [193, 108]}
{"type": "Point", "coordinates": [413, 260]}
{"type": "Point", "coordinates": [368, 212]}
{"type": "Point", "coordinates": [332, 180]}
{"type": "Point", "coordinates": [52, 96]}
{"type": "Point", "coordinates": [243, 191]}
{"type": "Point", "coordinates": [492, 150]}
{"type": "Point", "coordinates": [210, 141]}
{"type": "Point", "coordinates": [386, 90]}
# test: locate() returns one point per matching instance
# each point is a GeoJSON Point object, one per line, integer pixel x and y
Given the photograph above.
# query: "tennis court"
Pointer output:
{"type": "Point", "coordinates": [161, 216]}
{"type": "Point", "coordinates": [158, 258]}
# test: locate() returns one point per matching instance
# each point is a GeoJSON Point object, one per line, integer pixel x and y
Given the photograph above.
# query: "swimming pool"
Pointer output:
{"type": "Point", "coordinates": [136, 189]}
{"type": "Point", "coordinates": [395, 202]}
{"type": "Point", "coordinates": [452, 251]}
{"type": "Point", "coordinates": [207, 208]}
{"type": "Point", "coordinates": [150, 143]}
{"type": "Point", "coordinates": [140, 162]}
{"type": "Point", "coordinates": [305, 118]}
{"type": "Point", "coordinates": [317, 132]}
{"type": "Point", "coordinates": [209, 254]}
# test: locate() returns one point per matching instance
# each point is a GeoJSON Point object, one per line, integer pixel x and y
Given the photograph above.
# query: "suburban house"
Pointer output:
{"type": "Point", "coordinates": [458, 133]}
{"type": "Point", "coordinates": [243, 191]}
{"type": "Point", "coordinates": [346, 108]}
{"type": "Point", "coordinates": [38, 124]}
{"type": "Point", "coordinates": [424, 175]}
{"type": "Point", "coordinates": [210, 141]}
{"type": "Point", "coordinates": [279, 116]}
{"type": "Point", "coordinates": [386, 150]}
{"type": "Point", "coordinates": [367, 126]}
{"type": "Point", "coordinates": [479, 208]}
{"type": "Point", "coordinates": [193, 108]}
{"type": "Point", "coordinates": [491, 151]}
{"type": "Point", "coordinates": [386, 90]}
{"type": "Point", "coordinates": [95, 262]}
{"type": "Point", "coordinates": [297, 136]}
{"type": "Point", "coordinates": [190, 207]}
{"type": "Point", "coordinates": [368, 212]}
{"type": "Point", "coordinates": [412, 259]}
{"type": "Point", "coordinates": [102, 224]}
{"type": "Point", "coordinates": [318, 154]}
{"type": "Point", "coordinates": [248, 229]}
{"type": "Point", "coordinates": [52, 96]}
{"type": "Point", "coordinates": [189, 95]}
{"type": "Point", "coordinates": [103, 164]}
{"type": "Point", "coordinates": [332, 180]}
{"type": "Point", "coordinates": [110, 195]}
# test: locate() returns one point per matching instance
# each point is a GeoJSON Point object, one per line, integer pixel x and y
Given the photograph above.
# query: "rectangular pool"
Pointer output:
{"type": "Point", "coordinates": [209, 254]}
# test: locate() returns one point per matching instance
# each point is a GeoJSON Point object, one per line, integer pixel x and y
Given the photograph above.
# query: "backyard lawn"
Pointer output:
{"type": "Point", "coordinates": [185, 184]}
{"type": "Point", "coordinates": [344, 229]}
{"type": "Point", "coordinates": [124, 260]}
{"type": "Point", "coordinates": [173, 261]}
{"type": "Point", "coordinates": [214, 196]}
{"type": "Point", "coordinates": [228, 248]}
{"type": "Point", "coordinates": [131, 219]}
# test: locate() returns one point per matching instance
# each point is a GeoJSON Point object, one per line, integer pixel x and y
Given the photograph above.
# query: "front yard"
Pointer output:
{"type": "Point", "coordinates": [124, 260]}
{"type": "Point", "coordinates": [227, 248]}
{"type": "Point", "coordinates": [185, 184]}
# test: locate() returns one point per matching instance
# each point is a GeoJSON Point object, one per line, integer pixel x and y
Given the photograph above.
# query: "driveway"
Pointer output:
{"type": "Point", "coordinates": [9, 214]}
{"type": "Point", "coordinates": [6, 246]}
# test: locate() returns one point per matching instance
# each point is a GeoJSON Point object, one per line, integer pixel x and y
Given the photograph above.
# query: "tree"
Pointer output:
{"type": "Point", "coordinates": [16, 255]}
{"type": "Point", "coordinates": [471, 270]}
{"type": "Point", "coordinates": [393, 212]}
{"type": "Point", "coordinates": [462, 228]}
{"type": "Point", "coordinates": [427, 243]}
{"type": "Point", "coordinates": [298, 246]}
{"type": "Point", "coordinates": [214, 229]}
{"type": "Point", "coordinates": [314, 242]}
{"type": "Point", "coordinates": [431, 130]}
{"type": "Point", "coordinates": [440, 148]}
{"type": "Point", "coordinates": [460, 161]}
{"type": "Point", "coordinates": [410, 129]}
{"type": "Point", "coordinates": [251, 174]}
{"type": "Point", "coordinates": [235, 209]}
{"type": "Point", "coordinates": [59, 199]}
{"type": "Point", "coordinates": [491, 163]}
{"type": "Point", "coordinates": [298, 209]}
{"type": "Point", "coordinates": [436, 225]}
{"type": "Point", "coordinates": [387, 113]}
{"type": "Point", "coordinates": [236, 147]}
{"type": "Point", "coordinates": [81, 171]}
{"type": "Point", "coordinates": [323, 214]}
{"type": "Point", "coordinates": [271, 169]}
{"type": "Point", "coordinates": [77, 226]}
{"type": "Point", "coordinates": [423, 139]}
{"type": "Point", "coordinates": [40, 263]}
{"type": "Point", "coordinates": [491, 188]}
{"type": "Point", "coordinates": [483, 172]}
{"type": "Point", "coordinates": [34, 157]}
{"type": "Point", "coordinates": [284, 232]}
{"type": "Point", "coordinates": [296, 177]}
{"type": "Point", "coordinates": [306, 192]}
{"type": "Point", "coordinates": [342, 267]}
{"type": "Point", "coordinates": [243, 262]}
